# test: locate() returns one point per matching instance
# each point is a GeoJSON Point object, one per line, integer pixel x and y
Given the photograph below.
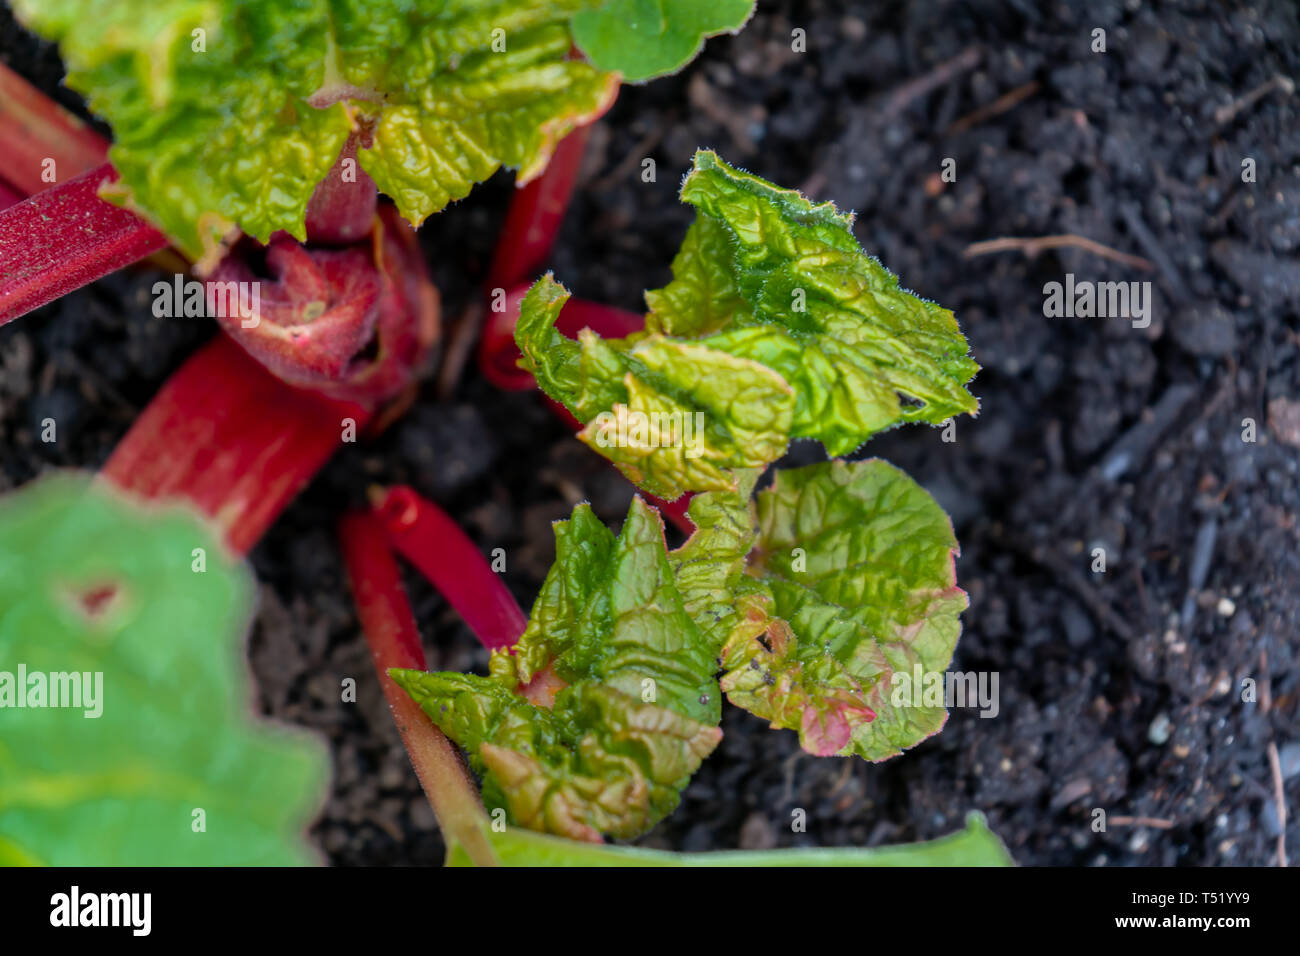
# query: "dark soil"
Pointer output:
{"type": "Point", "coordinates": [1120, 690]}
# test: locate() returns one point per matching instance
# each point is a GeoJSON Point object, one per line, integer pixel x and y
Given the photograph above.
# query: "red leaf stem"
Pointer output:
{"type": "Point", "coordinates": [42, 139]}
{"type": "Point", "coordinates": [425, 535]}
{"type": "Point", "coordinates": [535, 214]}
{"type": "Point", "coordinates": [63, 238]}
{"type": "Point", "coordinates": [229, 436]}
{"type": "Point", "coordinates": [390, 631]}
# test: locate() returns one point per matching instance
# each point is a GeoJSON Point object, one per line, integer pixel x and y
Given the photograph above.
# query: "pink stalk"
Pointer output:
{"type": "Point", "coordinates": [44, 144]}
{"type": "Point", "coordinates": [63, 238]}
{"type": "Point", "coordinates": [233, 439]}
{"type": "Point", "coordinates": [390, 630]}
{"type": "Point", "coordinates": [536, 212]}
{"type": "Point", "coordinates": [424, 534]}
{"type": "Point", "coordinates": [498, 355]}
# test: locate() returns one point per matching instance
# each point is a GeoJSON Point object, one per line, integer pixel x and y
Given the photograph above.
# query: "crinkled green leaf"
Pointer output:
{"type": "Point", "coordinates": [673, 415]}
{"type": "Point", "coordinates": [859, 560]}
{"type": "Point", "coordinates": [641, 707]}
{"type": "Point", "coordinates": [711, 568]}
{"type": "Point", "coordinates": [93, 584]}
{"type": "Point", "coordinates": [777, 325]}
{"type": "Point", "coordinates": [643, 39]}
{"type": "Point", "coordinates": [975, 845]}
{"type": "Point", "coordinates": [235, 126]}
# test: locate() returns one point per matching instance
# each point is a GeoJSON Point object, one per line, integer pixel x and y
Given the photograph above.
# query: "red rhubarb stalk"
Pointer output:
{"type": "Point", "coordinates": [44, 144]}
{"type": "Point", "coordinates": [390, 630]}
{"type": "Point", "coordinates": [63, 238]}
{"type": "Point", "coordinates": [536, 212]}
{"type": "Point", "coordinates": [232, 438]}
{"type": "Point", "coordinates": [498, 354]}
{"type": "Point", "coordinates": [425, 535]}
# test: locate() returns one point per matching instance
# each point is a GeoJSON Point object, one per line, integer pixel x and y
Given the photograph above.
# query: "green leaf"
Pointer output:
{"type": "Point", "coordinates": [93, 584]}
{"type": "Point", "coordinates": [643, 39]}
{"type": "Point", "coordinates": [641, 707]}
{"type": "Point", "coordinates": [235, 126]}
{"type": "Point", "coordinates": [777, 325]}
{"type": "Point", "coordinates": [975, 845]}
{"type": "Point", "coordinates": [673, 415]}
{"type": "Point", "coordinates": [859, 562]}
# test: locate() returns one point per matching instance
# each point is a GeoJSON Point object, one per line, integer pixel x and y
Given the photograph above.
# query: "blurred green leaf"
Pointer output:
{"type": "Point", "coordinates": [976, 845]}
{"type": "Point", "coordinates": [644, 39]}
{"type": "Point", "coordinates": [95, 584]}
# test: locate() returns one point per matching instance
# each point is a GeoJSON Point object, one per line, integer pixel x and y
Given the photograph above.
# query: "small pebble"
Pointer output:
{"type": "Point", "coordinates": [1226, 607]}
{"type": "Point", "coordinates": [1160, 729]}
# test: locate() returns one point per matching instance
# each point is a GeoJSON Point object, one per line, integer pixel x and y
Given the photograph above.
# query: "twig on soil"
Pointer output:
{"type": "Point", "coordinates": [1071, 579]}
{"type": "Point", "coordinates": [1032, 246]}
{"type": "Point", "coordinates": [1159, 823]}
{"type": "Point", "coordinates": [901, 96]}
{"type": "Point", "coordinates": [1168, 271]}
{"type": "Point", "coordinates": [635, 156]}
{"type": "Point", "coordinates": [999, 106]}
{"type": "Point", "coordinates": [1135, 445]}
{"type": "Point", "coordinates": [1199, 567]}
{"type": "Point", "coordinates": [459, 346]}
{"type": "Point", "coordinates": [1279, 800]}
{"type": "Point", "coordinates": [1228, 112]}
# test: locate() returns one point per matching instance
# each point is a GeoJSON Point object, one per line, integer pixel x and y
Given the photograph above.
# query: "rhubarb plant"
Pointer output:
{"type": "Point", "coordinates": [227, 114]}
{"type": "Point", "coordinates": [806, 600]}
{"type": "Point", "coordinates": [777, 325]}
{"type": "Point", "coordinates": [798, 600]}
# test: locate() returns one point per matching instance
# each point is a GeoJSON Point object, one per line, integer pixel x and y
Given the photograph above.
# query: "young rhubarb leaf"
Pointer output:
{"type": "Point", "coordinates": [975, 845]}
{"type": "Point", "coordinates": [859, 563]}
{"type": "Point", "coordinates": [673, 415]}
{"type": "Point", "coordinates": [644, 39]}
{"type": "Point", "coordinates": [228, 113]}
{"type": "Point", "coordinates": [126, 734]}
{"type": "Point", "coordinates": [777, 325]}
{"type": "Point", "coordinates": [638, 708]}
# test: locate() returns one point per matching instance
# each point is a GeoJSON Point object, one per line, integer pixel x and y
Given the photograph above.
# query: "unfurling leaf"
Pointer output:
{"type": "Point", "coordinates": [239, 133]}
{"type": "Point", "coordinates": [859, 562]}
{"type": "Point", "coordinates": [672, 414]}
{"type": "Point", "coordinates": [640, 707]}
{"type": "Point", "coordinates": [643, 39]}
{"type": "Point", "coordinates": [776, 326]}
{"type": "Point", "coordinates": [145, 715]}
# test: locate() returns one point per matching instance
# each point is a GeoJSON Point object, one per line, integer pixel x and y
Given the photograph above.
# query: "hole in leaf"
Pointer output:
{"type": "Point", "coordinates": [908, 402]}
{"type": "Point", "coordinates": [95, 601]}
